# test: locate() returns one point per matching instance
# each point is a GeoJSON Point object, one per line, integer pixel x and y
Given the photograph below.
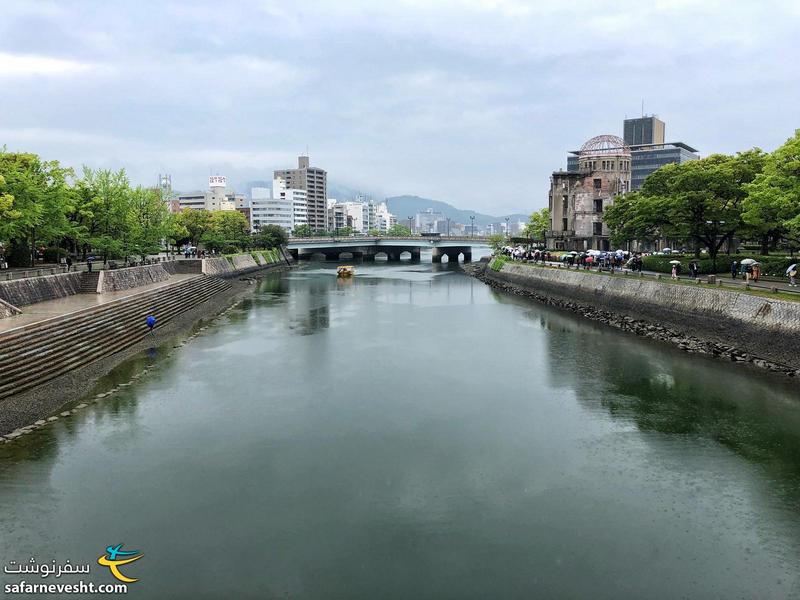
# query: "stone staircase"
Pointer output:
{"type": "Point", "coordinates": [89, 282]}
{"type": "Point", "coordinates": [41, 351]}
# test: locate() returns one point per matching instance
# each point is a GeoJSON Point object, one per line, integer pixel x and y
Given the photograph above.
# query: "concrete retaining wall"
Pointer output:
{"type": "Point", "coordinates": [237, 265]}
{"type": "Point", "coordinates": [21, 292]}
{"type": "Point", "coordinates": [760, 326]}
{"type": "Point", "coordinates": [218, 266]}
{"type": "Point", "coordinates": [131, 277]}
{"type": "Point", "coordinates": [191, 266]}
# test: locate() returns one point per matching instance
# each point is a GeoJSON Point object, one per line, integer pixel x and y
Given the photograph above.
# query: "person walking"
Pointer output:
{"type": "Point", "coordinates": [792, 276]}
{"type": "Point", "coordinates": [69, 264]}
{"type": "Point", "coordinates": [674, 271]}
{"type": "Point", "coordinates": [89, 262]}
{"type": "Point", "coordinates": [756, 272]}
{"type": "Point", "coordinates": [734, 269]}
{"type": "Point", "coordinates": [151, 323]}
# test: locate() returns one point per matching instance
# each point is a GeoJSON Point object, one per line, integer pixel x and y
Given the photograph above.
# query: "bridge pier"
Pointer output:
{"type": "Point", "coordinates": [368, 256]}
{"type": "Point", "coordinates": [436, 254]}
{"type": "Point", "coordinates": [467, 256]}
{"type": "Point", "coordinates": [332, 256]}
{"type": "Point", "coordinates": [393, 256]}
{"type": "Point", "coordinates": [416, 254]}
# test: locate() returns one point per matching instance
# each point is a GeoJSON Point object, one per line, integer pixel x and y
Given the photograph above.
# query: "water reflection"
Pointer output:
{"type": "Point", "coordinates": [410, 433]}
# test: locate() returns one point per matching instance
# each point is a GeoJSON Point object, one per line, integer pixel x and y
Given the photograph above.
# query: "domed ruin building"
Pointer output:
{"type": "Point", "coordinates": [578, 198]}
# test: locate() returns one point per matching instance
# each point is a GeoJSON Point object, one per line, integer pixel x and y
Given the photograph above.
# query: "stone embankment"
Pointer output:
{"type": "Point", "coordinates": [21, 292]}
{"type": "Point", "coordinates": [732, 325]}
{"type": "Point", "coordinates": [125, 279]}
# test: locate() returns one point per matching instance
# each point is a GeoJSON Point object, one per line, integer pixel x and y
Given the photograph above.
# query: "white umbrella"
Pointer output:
{"type": "Point", "coordinates": [749, 261]}
{"type": "Point", "coordinates": [667, 250]}
{"type": "Point", "coordinates": [574, 252]}
{"type": "Point", "coordinates": [791, 268]}
{"type": "Point", "coordinates": [674, 262]}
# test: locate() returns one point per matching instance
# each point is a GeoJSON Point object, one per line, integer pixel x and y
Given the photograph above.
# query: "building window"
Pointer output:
{"type": "Point", "coordinates": [564, 223]}
{"type": "Point", "coordinates": [598, 183]}
{"type": "Point", "coordinates": [598, 205]}
{"type": "Point", "coordinates": [597, 228]}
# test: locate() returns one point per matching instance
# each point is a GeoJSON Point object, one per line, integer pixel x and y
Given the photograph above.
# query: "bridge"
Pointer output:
{"type": "Point", "coordinates": [368, 247]}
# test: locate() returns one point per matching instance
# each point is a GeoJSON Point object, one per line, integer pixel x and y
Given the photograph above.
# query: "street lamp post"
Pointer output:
{"type": "Point", "coordinates": [448, 226]}
{"type": "Point", "coordinates": [472, 226]}
{"type": "Point", "coordinates": [410, 228]}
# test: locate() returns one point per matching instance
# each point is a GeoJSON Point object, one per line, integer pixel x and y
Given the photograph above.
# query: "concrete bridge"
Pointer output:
{"type": "Point", "coordinates": [367, 248]}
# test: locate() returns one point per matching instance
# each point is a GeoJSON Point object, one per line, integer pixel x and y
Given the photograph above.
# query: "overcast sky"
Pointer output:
{"type": "Point", "coordinates": [472, 102]}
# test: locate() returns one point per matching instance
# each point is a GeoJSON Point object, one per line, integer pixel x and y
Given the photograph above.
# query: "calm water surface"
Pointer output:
{"type": "Point", "coordinates": [413, 434]}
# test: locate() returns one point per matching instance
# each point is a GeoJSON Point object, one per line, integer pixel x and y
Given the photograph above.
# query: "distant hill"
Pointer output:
{"type": "Point", "coordinates": [404, 206]}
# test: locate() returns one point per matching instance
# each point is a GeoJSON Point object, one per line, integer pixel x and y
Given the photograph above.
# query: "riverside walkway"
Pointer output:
{"type": "Point", "coordinates": [722, 280]}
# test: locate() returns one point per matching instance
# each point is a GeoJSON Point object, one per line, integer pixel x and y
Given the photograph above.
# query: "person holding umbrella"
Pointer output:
{"type": "Point", "coordinates": [675, 266]}
{"type": "Point", "coordinates": [792, 273]}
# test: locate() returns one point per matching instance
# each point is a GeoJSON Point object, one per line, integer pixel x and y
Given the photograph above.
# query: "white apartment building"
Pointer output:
{"type": "Point", "coordinates": [384, 220]}
{"type": "Point", "coordinates": [281, 206]}
{"type": "Point", "coordinates": [267, 210]}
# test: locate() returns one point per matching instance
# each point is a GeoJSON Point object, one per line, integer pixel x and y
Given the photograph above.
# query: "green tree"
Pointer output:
{"type": "Point", "coordinates": [35, 196]}
{"type": "Point", "coordinates": [398, 230]}
{"type": "Point", "coordinates": [538, 224]}
{"type": "Point", "coordinates": [270, 236]}
{"type": "Point", "coordinates": [772, 206]}
{"type": "Point", "coordinates": [374, 232]}
{"type": "Point", "coordinates": [497, 241]}
{"type": "Point", "coordinates": [228, 228]}
{"type": "Point", "coordinates": [195, 222]}
{"type": "Point", "coordinates": [699, 202]}
{"type": "Point", "coordinates": [147, 222]}
{"type": "Point", "coordinates": [303, 231]}
{"type": "Point", "coordinates": [102, 210]}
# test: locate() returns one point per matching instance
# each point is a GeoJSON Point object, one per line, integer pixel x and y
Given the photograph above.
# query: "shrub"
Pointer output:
{"type": "Point", "coordinates": [770, 265]}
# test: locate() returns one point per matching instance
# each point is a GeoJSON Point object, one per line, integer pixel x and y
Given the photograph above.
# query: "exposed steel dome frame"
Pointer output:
{"type": "Point", "coordinates": [604, 145]}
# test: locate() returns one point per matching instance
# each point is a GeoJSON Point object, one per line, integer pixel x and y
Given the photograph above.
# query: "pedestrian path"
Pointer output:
{"type": "Point", "coordinates": [726, 281]}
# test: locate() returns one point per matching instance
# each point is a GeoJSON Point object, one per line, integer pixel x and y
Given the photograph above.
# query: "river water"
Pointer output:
{"type": "Point", "coordinates": [411, 433]}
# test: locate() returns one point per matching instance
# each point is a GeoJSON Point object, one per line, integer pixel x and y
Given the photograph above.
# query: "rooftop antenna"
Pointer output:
{"type": "Point", "coordinates": [643, 107]}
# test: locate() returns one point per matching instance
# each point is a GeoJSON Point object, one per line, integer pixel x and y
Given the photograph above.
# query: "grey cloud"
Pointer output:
{"type": "Point", "coordinates": [472, 102]}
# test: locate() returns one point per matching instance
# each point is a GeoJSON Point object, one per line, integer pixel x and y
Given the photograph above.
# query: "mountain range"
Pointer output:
{"type": "Point", "coordinates": [404, 206]}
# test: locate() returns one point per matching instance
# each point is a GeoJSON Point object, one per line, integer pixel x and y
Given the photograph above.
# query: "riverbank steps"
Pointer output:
{"type": "Point", "coordinates": [727, 324]}
{"type": "Point", "coordinates": [36, 353]}
{"type": "Point", "coordinates": [108, 394]}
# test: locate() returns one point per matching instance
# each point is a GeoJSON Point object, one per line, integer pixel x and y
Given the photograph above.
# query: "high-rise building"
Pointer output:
{"type": "Point", "coordinates": [643, 130]}
{"type": "Point", "coordinates": [314, 182]}
{"type": "Point", "coordinates": [281, 206]}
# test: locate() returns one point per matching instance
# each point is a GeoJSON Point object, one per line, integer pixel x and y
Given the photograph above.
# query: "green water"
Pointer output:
{"type": "Point", "coordinates": [413, 434]}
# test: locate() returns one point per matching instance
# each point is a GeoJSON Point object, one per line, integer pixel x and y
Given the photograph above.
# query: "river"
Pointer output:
{"type": "Point", "coordinates": [411, 433]}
